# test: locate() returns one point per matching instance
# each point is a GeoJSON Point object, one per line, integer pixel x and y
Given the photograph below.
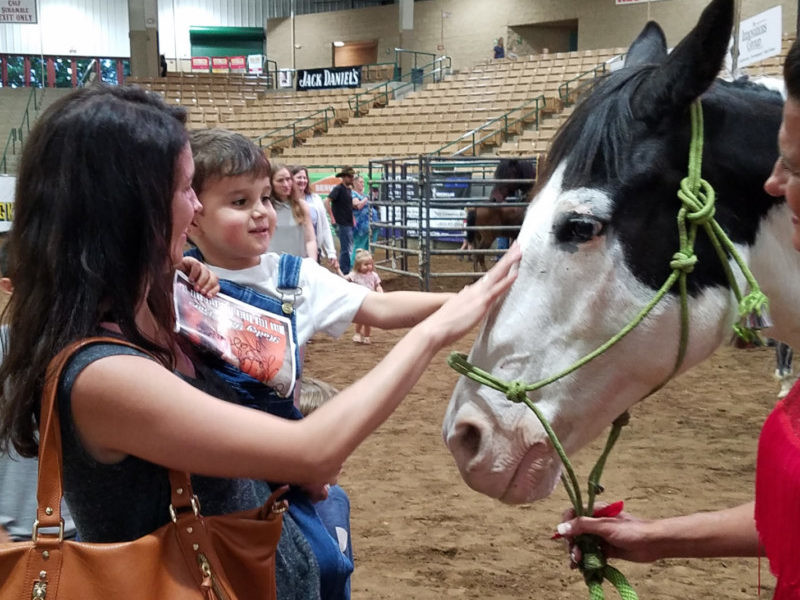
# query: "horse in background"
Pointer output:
{"type": "Point", "coordinates": [515, 179]}
{"type": "Point", "coordinates": [597, 243]}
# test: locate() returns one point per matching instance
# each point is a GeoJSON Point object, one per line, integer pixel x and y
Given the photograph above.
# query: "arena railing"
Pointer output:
{"type": "Point", "coordinates": [525, 113]}
{"type": "Point", "coordinates": [271, 73]}
{"type": "Point", "coordinates": [16, 133]}
{"type": "Point", "coordinates": [380, 93]}
{"type": "Point", "coordinates": [292, 131]}
{"type": "Point", "coordinates": [579, 82]}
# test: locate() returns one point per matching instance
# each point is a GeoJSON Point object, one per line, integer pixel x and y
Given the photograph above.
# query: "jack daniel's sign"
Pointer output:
{"type": "Point", "coordinates": [328, 78]}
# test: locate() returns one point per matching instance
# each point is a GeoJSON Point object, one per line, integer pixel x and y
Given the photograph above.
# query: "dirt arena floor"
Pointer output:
{"type": "Point", "coordinates": [420, 533]}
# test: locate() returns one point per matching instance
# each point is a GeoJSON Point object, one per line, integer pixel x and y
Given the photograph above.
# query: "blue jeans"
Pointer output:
{"type": "Point", "coordinates": [345, 246]}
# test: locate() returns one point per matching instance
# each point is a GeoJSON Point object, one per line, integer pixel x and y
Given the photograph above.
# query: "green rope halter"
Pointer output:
{"type": "Point", "coordinates": [697, 211]}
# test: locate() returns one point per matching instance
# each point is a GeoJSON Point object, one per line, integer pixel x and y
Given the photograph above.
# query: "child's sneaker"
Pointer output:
{"type": "Point", "coordinates": [366, 340]}
{"type": "Point", "coordinates": [357, 338]}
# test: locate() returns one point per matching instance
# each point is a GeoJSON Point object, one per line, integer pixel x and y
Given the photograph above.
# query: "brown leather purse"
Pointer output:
{"type": "Point", "coordinates": [193, 557]}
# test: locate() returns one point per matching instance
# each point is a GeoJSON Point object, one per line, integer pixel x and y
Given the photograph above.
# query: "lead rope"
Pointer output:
{"type": "Point", "coordinates": [697, 210]}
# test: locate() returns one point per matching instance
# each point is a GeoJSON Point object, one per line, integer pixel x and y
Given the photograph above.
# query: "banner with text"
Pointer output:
{"type": "Point", "coordinates": [201, 63]}
{"type": "Point", "coordinates": [18, 11]}
{"type": "Point", "coordinates": [328, 78]}
{"type": "Point", "coordinates": [238, 64]}
{"type": "Point", "coordinates": [219, 64]}
{"type": "Point", "coordinates": [760, 36]}
{"type": "Point", "coordinates": [255, 64]}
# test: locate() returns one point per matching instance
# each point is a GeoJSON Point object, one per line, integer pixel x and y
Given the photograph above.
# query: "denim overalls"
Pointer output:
{"type": "Point", "coordinates": [335, 566]}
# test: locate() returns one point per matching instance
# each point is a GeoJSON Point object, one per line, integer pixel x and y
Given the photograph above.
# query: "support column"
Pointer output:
{"type": "Point", "coordinates": [143, 24]}
{"type": "Point", "coordinates": [51, 72]}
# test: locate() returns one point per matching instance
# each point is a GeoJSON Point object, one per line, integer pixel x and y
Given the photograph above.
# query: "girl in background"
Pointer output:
{"type": "Point", "coordinates": [294, 231]}
{"type": "Point", "coordinates": [319, 216]}
{"type": "Point", "coordinates": [364, 274]}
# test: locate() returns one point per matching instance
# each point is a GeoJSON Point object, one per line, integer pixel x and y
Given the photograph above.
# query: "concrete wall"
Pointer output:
{"type": "Point", "coordinates": [467, 29]}
{"type": "Point", "coordinates": [604, 25]}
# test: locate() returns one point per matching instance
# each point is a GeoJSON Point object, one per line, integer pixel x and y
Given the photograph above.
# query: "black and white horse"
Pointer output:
{"type": "Point", "coordinates": [597, 241]}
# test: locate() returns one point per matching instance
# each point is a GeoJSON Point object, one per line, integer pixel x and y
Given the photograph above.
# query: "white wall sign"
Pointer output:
{"type": "Point", "coordinates": [18, 11]}
{"type": "Point", "coordinates": [255, 64]}
{"type": "Point", "coordinates": [760, 37]}
{"type": "Point", "coordinates": [7, 186]}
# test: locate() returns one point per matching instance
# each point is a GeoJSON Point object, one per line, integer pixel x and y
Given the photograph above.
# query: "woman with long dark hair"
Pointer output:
{"type": "Point", "coordinates": [103, 202]}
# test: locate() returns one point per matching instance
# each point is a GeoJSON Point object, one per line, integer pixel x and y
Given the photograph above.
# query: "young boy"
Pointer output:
{"type": "Point", "coordinates": [232, 234]}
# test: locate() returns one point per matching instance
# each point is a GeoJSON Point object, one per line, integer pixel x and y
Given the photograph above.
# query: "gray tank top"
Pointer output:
{"type": "Point", "coordinates": [129, 499]}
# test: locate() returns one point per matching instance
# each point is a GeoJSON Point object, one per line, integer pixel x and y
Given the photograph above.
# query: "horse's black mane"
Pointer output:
{"type": "Point", "coordinates": [603, 126]}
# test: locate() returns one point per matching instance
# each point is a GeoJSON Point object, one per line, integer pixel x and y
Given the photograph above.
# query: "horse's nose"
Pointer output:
{"type": "Point", "coordinates": [467, 441]}
{"type": "Point", "coordinates": [467, 438]}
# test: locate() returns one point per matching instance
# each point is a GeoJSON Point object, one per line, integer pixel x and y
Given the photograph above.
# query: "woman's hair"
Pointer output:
{"type": "Point", "coordinates": [222, 153]}
{"type": "Point", "coordinates": [91, 237]}
{"type": "Point", "coordinates": [791, 71]}
{"type": "Point", "coordinates": [295, 170]}
{"type": "Point", "coordinates": [362, 256]}
{"type": "Point", "coordinates": [297, 209]}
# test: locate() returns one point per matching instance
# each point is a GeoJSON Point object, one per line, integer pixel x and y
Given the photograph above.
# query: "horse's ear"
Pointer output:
{"type": "Point", "coordinates": [691, 67]}
{"type": "Point", "coordinates": [648, 48]}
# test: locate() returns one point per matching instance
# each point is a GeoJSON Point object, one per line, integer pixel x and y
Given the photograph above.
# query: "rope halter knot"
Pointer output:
{"type": "Point", "coordinates": [683, 262]}
{"type": "Point", "coordinates": [516, 391]}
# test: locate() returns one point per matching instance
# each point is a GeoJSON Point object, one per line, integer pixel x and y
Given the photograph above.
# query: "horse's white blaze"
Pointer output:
{"type": "Point", "coordinates": [565, 303]}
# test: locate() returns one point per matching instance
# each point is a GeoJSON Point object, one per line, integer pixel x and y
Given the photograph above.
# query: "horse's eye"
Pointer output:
{"type": "Point", "coordinates": [577, 228]}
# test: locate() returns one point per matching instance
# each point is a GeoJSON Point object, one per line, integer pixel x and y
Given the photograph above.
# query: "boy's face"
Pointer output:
{"type": "Point", "coordinates": [236, 223]}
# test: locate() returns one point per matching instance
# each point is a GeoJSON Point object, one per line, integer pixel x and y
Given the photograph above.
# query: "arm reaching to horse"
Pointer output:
{"type": "Point", "coordinates": [394, 310]}
{"type": "Point", "coordinates": [728, 532]}
{"type": "Point", "coordinates": [189, 430]}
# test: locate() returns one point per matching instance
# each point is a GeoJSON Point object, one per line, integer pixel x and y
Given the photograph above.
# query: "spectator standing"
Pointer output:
{"type": "Point", "coordinates": [340, 208]}
{"type": "Point", "coordinates": [319, 216]}
{"type": "Point", "coordinates": [361, 210]}
{"type": "Point", "coordinates": [499, 49]}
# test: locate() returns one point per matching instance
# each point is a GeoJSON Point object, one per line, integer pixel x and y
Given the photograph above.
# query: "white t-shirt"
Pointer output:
{"type": "Point", "coordinates": [327, 303]}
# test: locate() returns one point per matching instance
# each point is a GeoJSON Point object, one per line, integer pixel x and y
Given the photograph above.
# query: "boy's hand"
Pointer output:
{"type": "Point", "coordinates": [205, 281]}
{"type": "Point", "coordinates": [466, 309]}
{"type": "Point", "coordinates": [316, 492]}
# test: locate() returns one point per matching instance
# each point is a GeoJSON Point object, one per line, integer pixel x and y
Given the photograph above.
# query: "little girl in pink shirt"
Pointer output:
{"type": "Point", "coordinates": [364, 274]}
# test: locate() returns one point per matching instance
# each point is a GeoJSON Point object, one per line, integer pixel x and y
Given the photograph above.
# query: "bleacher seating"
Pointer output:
{"type": "Point", "coordinates": [421, 122]}
{"type": "Point", "coordinates": [428, 119]}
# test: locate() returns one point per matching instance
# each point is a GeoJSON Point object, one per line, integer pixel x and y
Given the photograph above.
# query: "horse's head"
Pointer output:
{"type": "Point", "coordinates": [597, 243]}
{"type": "Point", "coordinates": [518, 173]}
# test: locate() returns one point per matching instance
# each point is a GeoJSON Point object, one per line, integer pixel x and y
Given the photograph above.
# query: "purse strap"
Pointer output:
{"type": "Point", "coordinates": [50, 486]}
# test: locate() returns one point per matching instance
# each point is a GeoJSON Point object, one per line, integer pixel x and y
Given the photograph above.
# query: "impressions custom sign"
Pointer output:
{"type": "Point", "coordinates": [18, 11]}
{"type": "Point", "coordinates": [760, 36]}
{"type": "Point", "coordinates": [325, 79]}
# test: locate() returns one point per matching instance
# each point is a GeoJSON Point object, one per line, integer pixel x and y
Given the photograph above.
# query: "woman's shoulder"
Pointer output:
{"type": "Point", "coordinates": [95, 350]}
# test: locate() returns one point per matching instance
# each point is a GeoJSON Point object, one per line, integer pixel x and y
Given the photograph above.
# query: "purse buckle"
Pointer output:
{"type": "Point", "coordinates": [195, 502]}
{"type": "Point", "coordinates": [35, 532]}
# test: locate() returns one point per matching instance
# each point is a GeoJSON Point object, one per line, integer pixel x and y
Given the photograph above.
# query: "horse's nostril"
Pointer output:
{"type": "Point", "coordinates": [470, 438]}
